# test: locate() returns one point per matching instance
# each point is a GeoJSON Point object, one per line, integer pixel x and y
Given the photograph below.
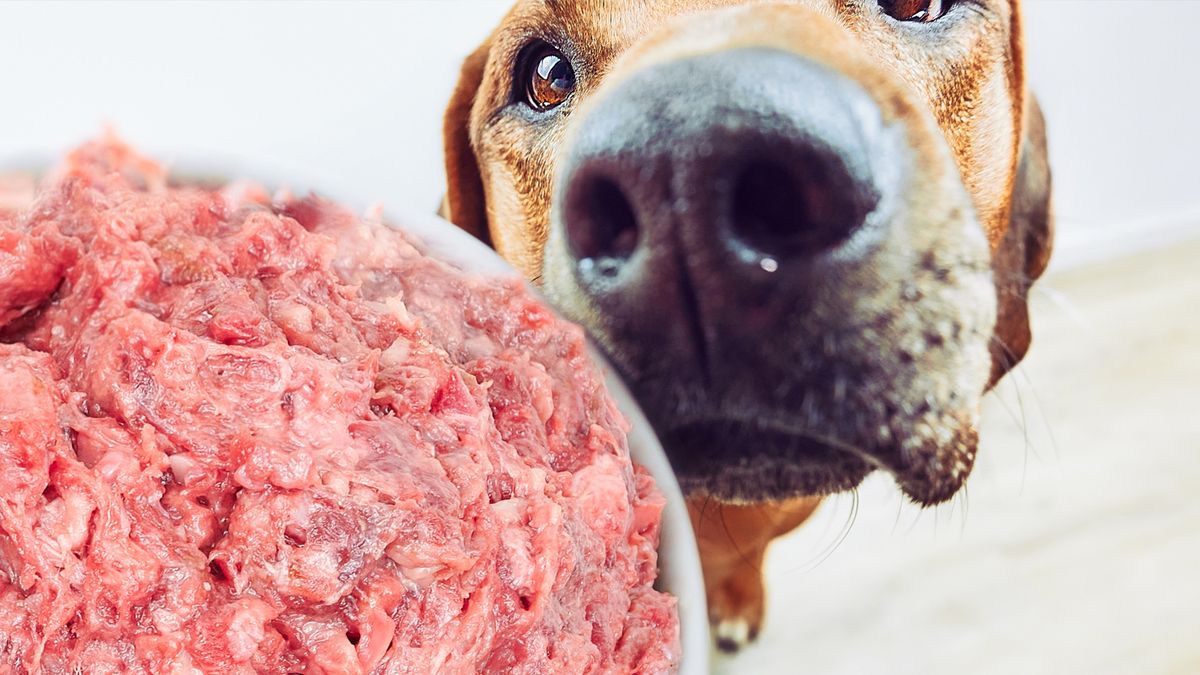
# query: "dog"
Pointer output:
{"type": "Point", "coordinates": [804, 232]}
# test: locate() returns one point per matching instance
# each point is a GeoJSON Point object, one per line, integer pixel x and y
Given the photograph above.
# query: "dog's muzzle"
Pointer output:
{"type": "Point", "coordinates": [737, 230]}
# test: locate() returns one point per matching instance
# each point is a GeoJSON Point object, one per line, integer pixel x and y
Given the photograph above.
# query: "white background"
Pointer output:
{"type": "Point", "coordinates": [348, 96]}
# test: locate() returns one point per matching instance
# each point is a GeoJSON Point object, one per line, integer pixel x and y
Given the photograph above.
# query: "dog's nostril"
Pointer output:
{"type": "Point", "coordinates": [767, 203]}
{"type": "Point", "coordinates": [803, 208]}
{"type": "Point", "coordinates": [602, 228]}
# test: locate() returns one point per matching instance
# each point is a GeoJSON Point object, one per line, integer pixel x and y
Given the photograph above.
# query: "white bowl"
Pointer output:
{"type": "Point", "coordinates": [678, 560]}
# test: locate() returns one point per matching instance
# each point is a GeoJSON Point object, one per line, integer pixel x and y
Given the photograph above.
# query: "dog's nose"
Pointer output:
{"type": "Point", "coordinates": [783, 202]}
{"type": "Point", "coordinates": [738, 166]}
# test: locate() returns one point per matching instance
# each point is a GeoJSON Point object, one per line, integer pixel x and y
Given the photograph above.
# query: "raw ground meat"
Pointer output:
{"type": "Point", "coordinates": [242, 434]}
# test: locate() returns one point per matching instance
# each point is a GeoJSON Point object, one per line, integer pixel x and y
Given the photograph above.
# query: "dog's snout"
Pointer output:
{"type": "Point", "coordinates": [769, 247]}
{"type": "Point", "coordinates": [743, 163]}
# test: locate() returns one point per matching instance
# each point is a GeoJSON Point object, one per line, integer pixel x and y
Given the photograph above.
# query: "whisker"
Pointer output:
{"type": "Point", "coordinates": [736, 547]}
{"type": "Point", "coordinates": [899, 510]}
{"type": "Point", "coordinates": [828, 551]}
{"type": "Point", "coordinates": [1011, 364]}
{"type": "Point", "coordinates": [703, 511]}
{"type": "Point", "coordinates": [1023, 373]}
{"type": "Point", "coordinates": [1016, 387]}
{"type": "Point", "coordinates": [919, 513]}
{"type": "Point", "coordinates": [966, 507]}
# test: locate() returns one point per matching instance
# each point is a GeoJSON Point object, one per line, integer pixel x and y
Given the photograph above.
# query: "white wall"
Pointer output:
{"type": "Point", "coordinates": [348, 97]}
{"type": "Point", "coordinates": [345, 96]}
{"type": "Point", "coordinates": [1119, 83]}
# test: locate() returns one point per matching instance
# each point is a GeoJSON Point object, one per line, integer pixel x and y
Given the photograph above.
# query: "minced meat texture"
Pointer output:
{"type": "Point", "coordinates": [242, 434]}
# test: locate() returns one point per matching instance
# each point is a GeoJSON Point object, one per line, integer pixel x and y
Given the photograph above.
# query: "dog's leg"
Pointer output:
{"type": "Point", "coordinates": [733, 541]}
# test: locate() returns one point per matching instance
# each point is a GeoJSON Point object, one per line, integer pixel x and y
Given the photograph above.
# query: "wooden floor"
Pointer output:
{"type": "Point", "coordinates": [1077, 546]}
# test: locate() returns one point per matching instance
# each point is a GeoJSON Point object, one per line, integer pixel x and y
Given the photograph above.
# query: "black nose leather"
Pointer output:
{"type": "Point", "coordinates": [747, 162]}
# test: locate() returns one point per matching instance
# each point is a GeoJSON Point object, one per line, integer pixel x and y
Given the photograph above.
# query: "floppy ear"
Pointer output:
{"type": "Point", "coordinates": [1025, 251]}
{"type": "Point", "coordinates": [465, 204]}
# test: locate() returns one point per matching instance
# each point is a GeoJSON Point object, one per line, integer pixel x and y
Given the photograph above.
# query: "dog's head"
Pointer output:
{"type": "Point", "coordinates": [804, 231]}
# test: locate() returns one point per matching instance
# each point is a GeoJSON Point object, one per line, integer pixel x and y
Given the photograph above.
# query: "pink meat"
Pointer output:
{"type": "Point", "coordinates": [33, 258]}
{"type": "Point", "coordinates": [248, 436]}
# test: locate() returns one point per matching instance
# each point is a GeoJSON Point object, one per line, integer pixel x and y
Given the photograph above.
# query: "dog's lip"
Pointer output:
{"type": "Point", "coordinates": [786, 460]}
{"type": "Point", "coordinates": [780, 461]}
{"type": "Point", "coordinates": [764, 424]}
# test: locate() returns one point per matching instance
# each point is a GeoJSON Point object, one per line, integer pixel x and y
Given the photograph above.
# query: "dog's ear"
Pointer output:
{"type": "Point", "coordinates": [465, 203]}
{"type": "Point", "coordinates": [1025, 251]}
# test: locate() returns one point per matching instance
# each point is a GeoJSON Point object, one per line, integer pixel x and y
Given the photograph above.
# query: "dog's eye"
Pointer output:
{"type": "Point", "coordinates": [922, 11]}
{"type": "Point", "coordinates": [548, 77]}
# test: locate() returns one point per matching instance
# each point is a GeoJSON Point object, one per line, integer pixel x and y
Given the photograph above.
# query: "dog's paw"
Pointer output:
{"type": "Point", "coordinates": [735, 612]}
{"type": "Point", "coordinates": [733, 634]}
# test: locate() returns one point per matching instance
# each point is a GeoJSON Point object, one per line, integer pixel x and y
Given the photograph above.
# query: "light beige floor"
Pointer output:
{"type": "Point", "coordinates": [1077, 546]}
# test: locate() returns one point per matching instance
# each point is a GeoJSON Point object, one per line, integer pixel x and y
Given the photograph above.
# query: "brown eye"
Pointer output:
{"type": "Point", "coordinates": [921, 11]}
{"type": "Point", "coordinates": [549, 78]}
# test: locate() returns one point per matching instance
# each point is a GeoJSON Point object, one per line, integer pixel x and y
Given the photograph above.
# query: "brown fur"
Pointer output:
{"type": "Point", "coordinates": [961, 92]}
{"type": "Point", "coordinates": [733, 540]}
